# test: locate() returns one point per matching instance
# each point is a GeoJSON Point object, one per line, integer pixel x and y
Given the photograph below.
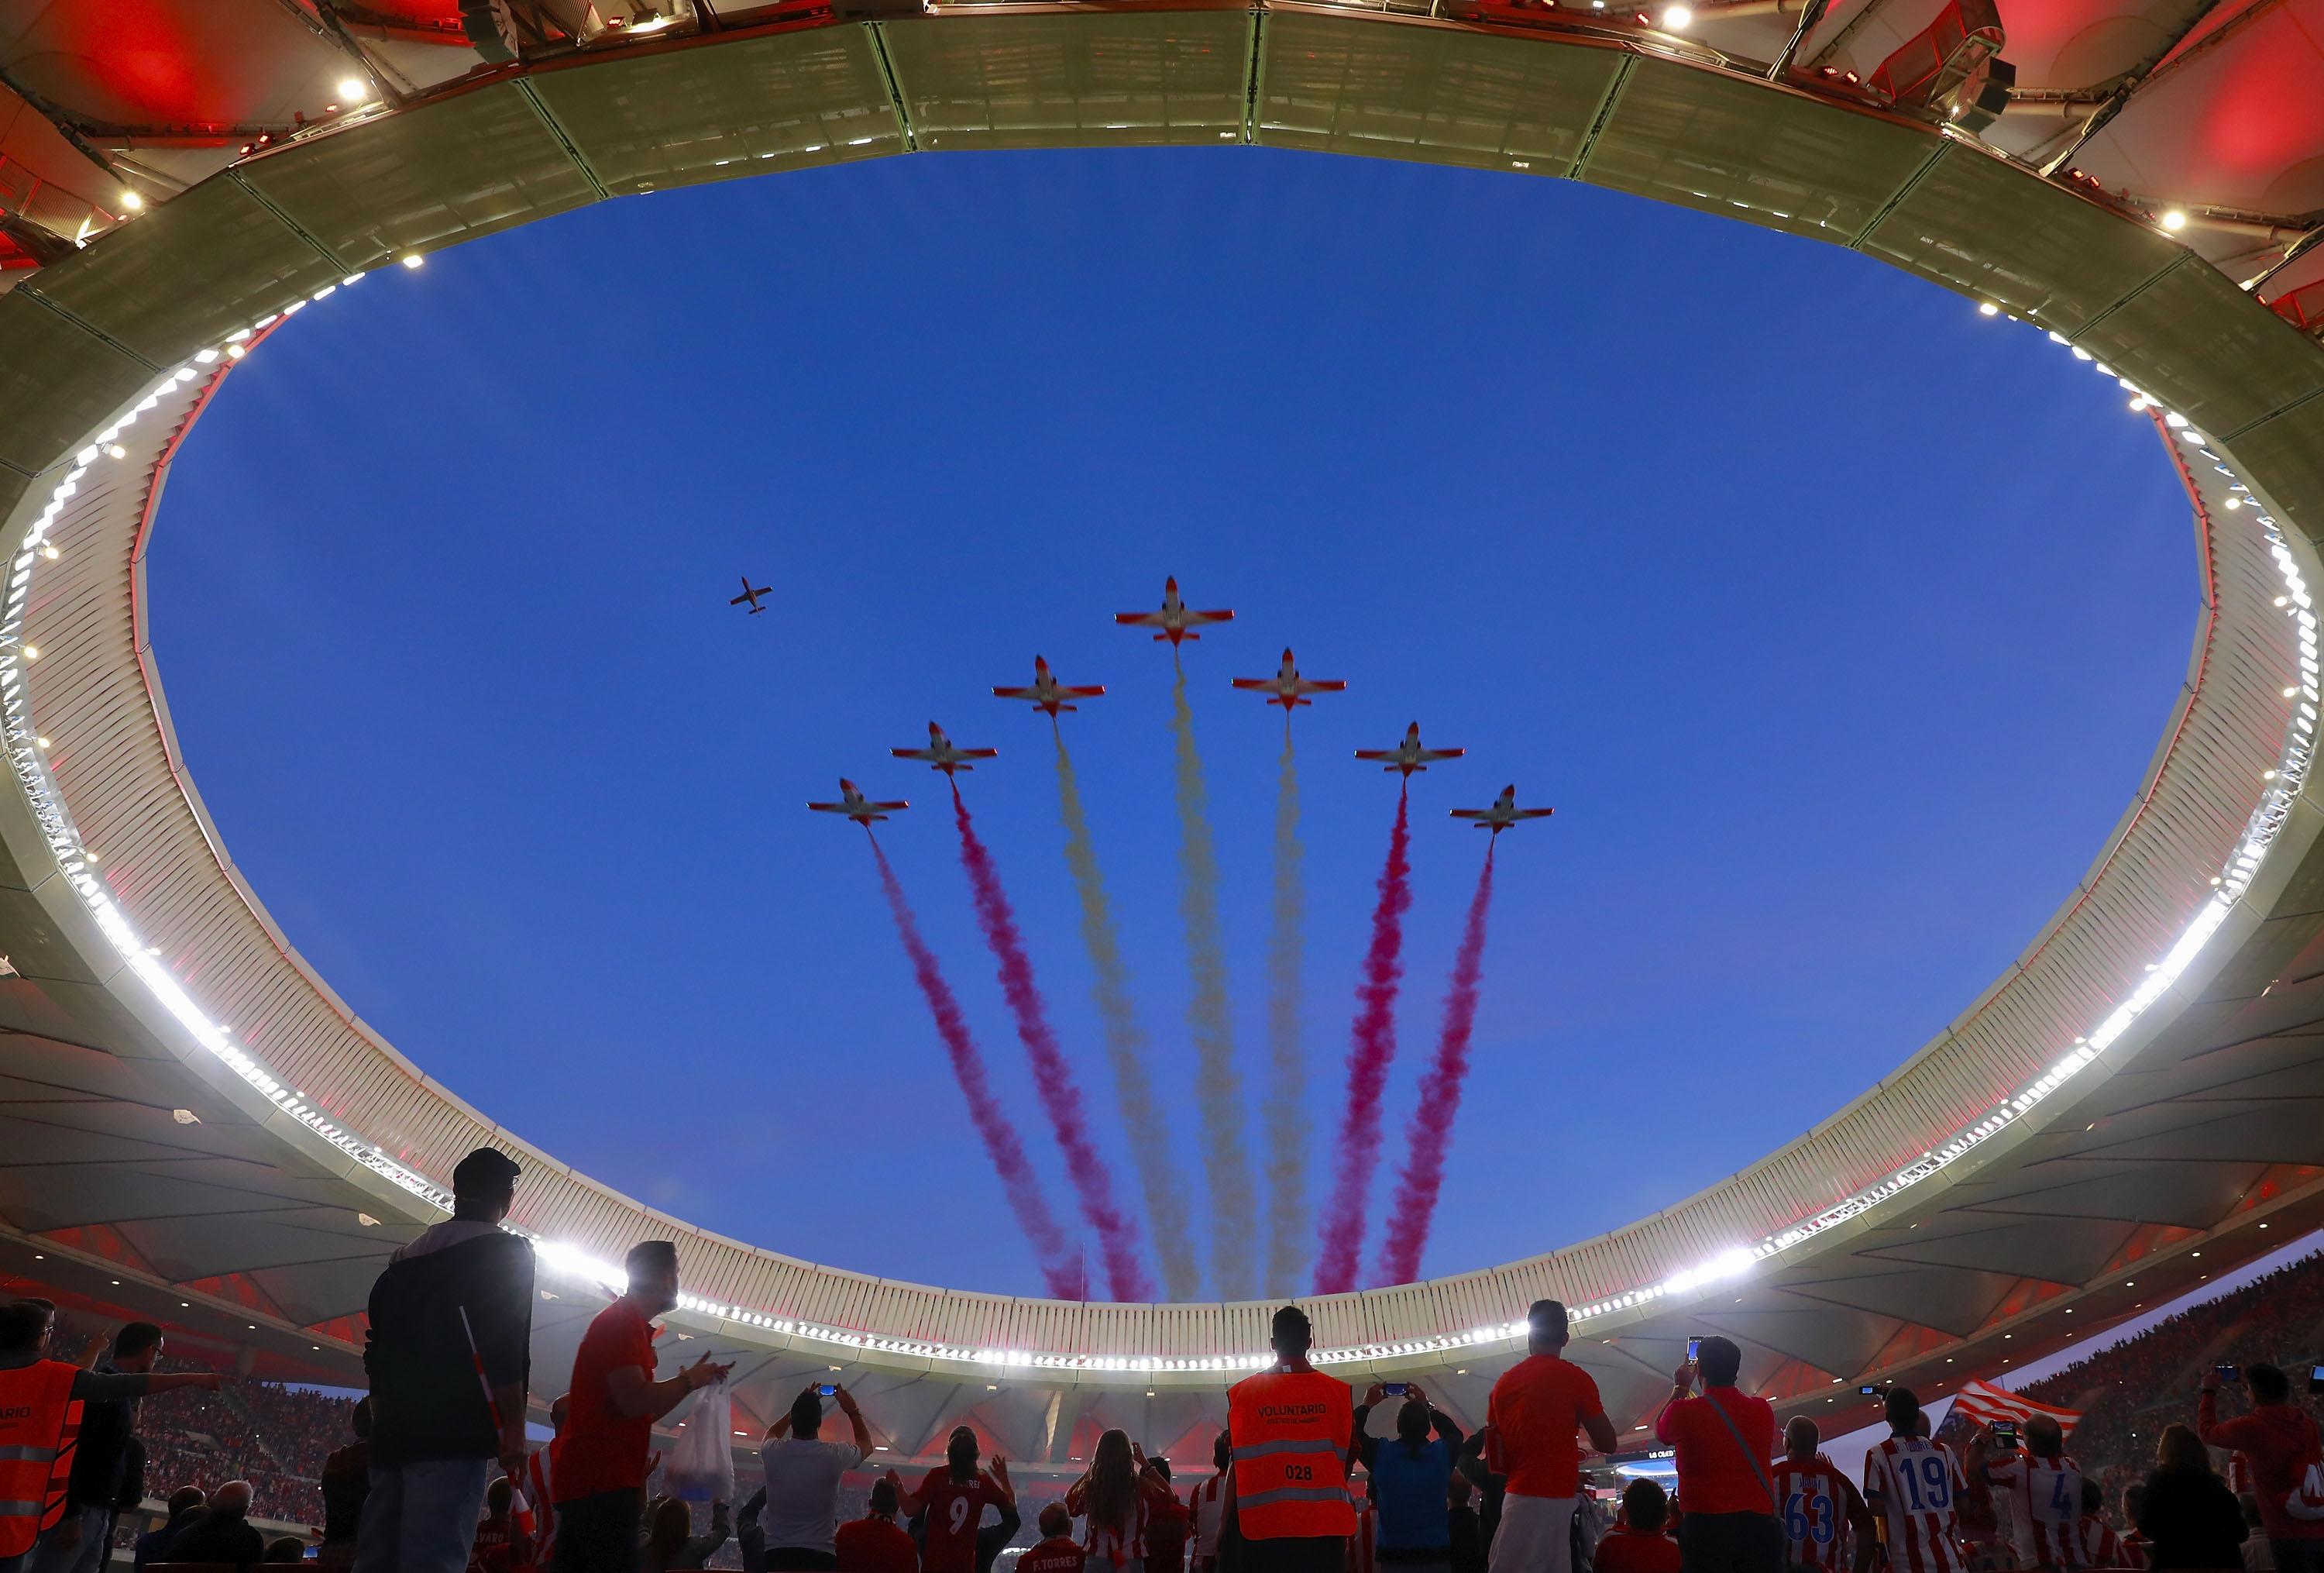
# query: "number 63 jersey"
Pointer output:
{"type": "Point", "coordinates": [1912, 1483]}
{"type": "Point", "coordinates": [1813, 1500]}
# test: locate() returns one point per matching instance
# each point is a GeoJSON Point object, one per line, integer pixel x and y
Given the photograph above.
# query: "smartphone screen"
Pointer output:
{"type": "Point", "coordinates": [1868, 1392]}
{"type": "Point", "coordinates": [1693, 1350]}
{"type": "Point", "coordinates": [2005, 1435]}
{"type": "Point", "coordinates": [828, 1389]}
{"type": "Point", "coordinates": [2229, 1373]}
{"type": "Point", "coordinates": [1396, 1389]}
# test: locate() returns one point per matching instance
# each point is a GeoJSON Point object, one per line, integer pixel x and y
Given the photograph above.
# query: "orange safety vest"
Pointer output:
{"type": "Point", "coordinates": [39, 1421]}
{"type": "Point", "coordinates": [1290, 1431]}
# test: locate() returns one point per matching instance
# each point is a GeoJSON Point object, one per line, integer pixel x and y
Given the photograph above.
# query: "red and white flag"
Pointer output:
{"type": "Point", "coordinates": [1985, 1403]}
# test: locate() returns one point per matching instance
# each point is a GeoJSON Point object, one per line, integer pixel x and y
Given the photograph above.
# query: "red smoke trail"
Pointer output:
{"type": "Point", "coordinates": [1370, 1054]}
{"type": "Point", "coordinates": [1117, 1232]}
{"type": "Point", "coordinates": [1017, 1181]}
{"type": "Point", "coordinates": [1440, 1099]}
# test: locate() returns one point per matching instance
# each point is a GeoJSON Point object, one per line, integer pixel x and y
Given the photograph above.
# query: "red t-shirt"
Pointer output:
{"type": "Point", "coordinates": [2279, 1439]}
{"type": "Point", "coordinates": [875, 1545]}
{"type": "Point", "coordinates": [1537, 1407]}
{"type": "Point", "coordinates": [1167, 1525]}
{"type": "Point", "coordinates": [600, 1448]}
{"type": "Point", "coordinates": [1055, 1556]}
{"type": "Point", "coordinates": [1716, 1472]}
{"type": "Point", "coordinates": [1627, 1550]}
{"type": "Point", "coordinates": [955, 1508]}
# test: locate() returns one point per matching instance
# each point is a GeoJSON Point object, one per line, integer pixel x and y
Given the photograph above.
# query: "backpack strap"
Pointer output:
{"type": "Point", "coordinates": [1758, 1466]}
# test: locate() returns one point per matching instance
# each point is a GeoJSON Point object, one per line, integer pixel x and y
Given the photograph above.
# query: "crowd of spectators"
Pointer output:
{"type": "Point", "coordinates": [2128, 1392]}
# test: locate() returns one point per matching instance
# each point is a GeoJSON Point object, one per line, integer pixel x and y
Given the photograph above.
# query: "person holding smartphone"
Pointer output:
{"type": "Point", "coordinates": [2280, 1438]}
{"type": "Point", "coordinates": [801, 1520]}
{"type": "Point", "coordinates": [1723, 1439]}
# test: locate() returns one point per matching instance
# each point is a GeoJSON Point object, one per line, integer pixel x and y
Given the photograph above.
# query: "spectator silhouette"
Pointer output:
{"type": "Point", "coordinates": [455, 1300]}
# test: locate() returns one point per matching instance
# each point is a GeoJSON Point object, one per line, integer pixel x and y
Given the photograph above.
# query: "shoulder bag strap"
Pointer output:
{"type": "Point", "coordinates": [1758, 1466]}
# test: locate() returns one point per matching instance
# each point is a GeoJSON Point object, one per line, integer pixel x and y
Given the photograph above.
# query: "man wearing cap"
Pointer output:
{"type": "Point", "coordinates": [451, 1329]}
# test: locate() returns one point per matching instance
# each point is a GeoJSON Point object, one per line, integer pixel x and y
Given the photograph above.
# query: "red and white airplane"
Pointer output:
{"type": "Point", "coordinates": [752, 596]}
{"type": "Point", "coordinates": [1409, 756]}
{"type": "Point", "coordinates": [1175, 619]}
{"type": "Point", "coordinates": [1503, 814]}
{"type": "Point", "coordinates": [1047, 693]}
{"type": "Point", "coordinates": [856, 806]}
{"type": "Point", "coordinates": [1287, 688]}
{"type": "Point", "coordinates": [940, 755]}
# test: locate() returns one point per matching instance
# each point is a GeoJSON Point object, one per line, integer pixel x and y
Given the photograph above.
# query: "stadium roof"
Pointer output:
{"type": "Point", "coordinates": [192, 1113]}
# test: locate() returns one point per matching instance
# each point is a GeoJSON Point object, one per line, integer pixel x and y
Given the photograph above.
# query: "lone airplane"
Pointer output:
{"type": "Point", "coordinates": [1175, 621]}
{"type": "Point", "coordinates": [1047, 693]}
{"type": "Point", "coordinates": [1409, 756]}
{"type": "Point", "coordinates": [1503, 814]}
{"type": "Point", "coordinates": [1287, 688]}
{"type": "Point", "coordinates": [856, 807]}
{"type": "Point", "coordinates": [940, 755]}
{"type": "Point", "coordinates": [752, 596]}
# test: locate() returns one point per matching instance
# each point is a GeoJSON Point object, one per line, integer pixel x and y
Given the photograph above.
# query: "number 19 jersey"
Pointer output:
{"type": "Point", "coordinates": [1913, 1483]}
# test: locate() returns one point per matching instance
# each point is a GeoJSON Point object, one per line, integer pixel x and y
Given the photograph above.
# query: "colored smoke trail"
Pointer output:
{"type": "Point", "coordinates": [1440, 1099]}
{"type": "Point", "coordinates": [1053, 1079]}
{"type": "Point", "coordinates": [1218, 1087]}
{"type": "Point", "coordinates": [1125, 1047]}
{"type": "Point", "coordinates": [1286, 1086]}
{"type": "Point", "coordinates": [1022, 1187]}
{"type": "Point", "coordinates": [1371, 1052]}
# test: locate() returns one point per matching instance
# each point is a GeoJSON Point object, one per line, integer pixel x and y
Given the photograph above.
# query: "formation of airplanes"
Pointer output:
{"type": "Point", "coordinates": [1176, 622]}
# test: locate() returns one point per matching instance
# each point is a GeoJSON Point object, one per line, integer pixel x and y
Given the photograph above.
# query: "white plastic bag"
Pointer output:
{"type": "Point", "coordinates": [701, 1465]}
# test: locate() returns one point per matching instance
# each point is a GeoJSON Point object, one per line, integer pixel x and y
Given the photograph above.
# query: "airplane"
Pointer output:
{"type": "Point", "coordinates": [752, 596]}
{"type": "Point", "coordinates": [1503, 814]}
{"type": "Point", "coordinates": [940, 755]}
{"type": "Point", "coordinates": [1287, 688]}
{"type": "Point", "coordinates": [856, 807]}
{"type": "Point", "coordinates": [1409, 756]}
{"type": "Point", "coordinates": [1046, 692]}
{"type": "Point", "coordinates": [1175, 621]}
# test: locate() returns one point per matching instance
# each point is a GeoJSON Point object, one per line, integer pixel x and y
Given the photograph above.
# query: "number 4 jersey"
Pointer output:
{"type": "Point", "coordinates": [1814, 1501]}
{"type": "Point", "coordinates": [1912, 1485]}
{"type": "Point", "coordinates": [2045, 1502]}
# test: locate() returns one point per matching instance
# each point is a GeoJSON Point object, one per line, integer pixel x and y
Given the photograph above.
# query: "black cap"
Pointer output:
{"type": "Point", "coordinates": [486, 1172]}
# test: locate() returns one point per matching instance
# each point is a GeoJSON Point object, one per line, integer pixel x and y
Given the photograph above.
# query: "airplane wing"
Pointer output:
{"type": "Point", "coordinates": [828, 808]}
{"type": "Point", "coordinates": [1472, 813]}
{"type": "Point", "coordinates": [920, 754]}
{"type": "Point", "coordinates": [1252, 682]}
{"type": "Point", "coordinates": [1323, 686]}
{"type": "Point", "coordinates": [737, 600]}
{"type": "Point", "coordinates": [978, 753]}
{"type": "Point", "coordinates": [1375, 754]}
{"type": "Point", "coordinates": [888, 808]}
{"type": "Point", "coordinates": [1192, 618]}
{"type": "Point", "coordinates": [1016, 693]}
{"type": "Point", "coordinates": [1430, 755]}
{"type": "Point", "coordinates": [1534, 813]}
{"type": "Point", "coordinates": [1138, 619]}
{"type": "Point", "coordinates": [1086, 693]}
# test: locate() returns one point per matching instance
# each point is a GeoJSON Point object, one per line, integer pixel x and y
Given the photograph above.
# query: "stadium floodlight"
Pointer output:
{"type": "Point", "coordinates": [2174, 219]}
{"type": "Point", "coordinates": [1676, 18]}
{"type": "Point", "coordinates": [354, 89]}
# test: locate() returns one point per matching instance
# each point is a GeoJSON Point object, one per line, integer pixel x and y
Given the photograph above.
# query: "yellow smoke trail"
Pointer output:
{"type": "Point", "coordinates": [1218, 1087]}
{"type": "Point", "coordinates": [1286, 1088]}
{"type": "Point", "coordinates": [1125, 1046]}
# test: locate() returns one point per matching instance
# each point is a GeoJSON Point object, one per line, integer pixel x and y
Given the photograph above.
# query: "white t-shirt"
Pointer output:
{"type": "Point", "coordinates": [802, 1511]}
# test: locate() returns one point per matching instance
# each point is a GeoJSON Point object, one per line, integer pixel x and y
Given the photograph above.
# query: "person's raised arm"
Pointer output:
{"type": "Point", "coordinates": [100, 1386]}
{"type": "Point", "coordinates": [999, 1476]}
{"type": "Point", "coordinates": [847, 1402]}
{"type": "Point", "coordinates": [1682, 1388]}
{"type": "Point", "coordinates": [908, 1504]}
{"type": "Point", "coordinates": [636, 1397]}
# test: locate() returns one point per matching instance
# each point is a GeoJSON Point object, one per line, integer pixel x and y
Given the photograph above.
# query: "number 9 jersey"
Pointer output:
{"type": "Point", "coordinates": [1912, 1485]}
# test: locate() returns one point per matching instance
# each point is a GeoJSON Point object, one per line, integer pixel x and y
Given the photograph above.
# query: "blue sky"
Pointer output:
{"type": "Point", "coordinates": [1837, 623]}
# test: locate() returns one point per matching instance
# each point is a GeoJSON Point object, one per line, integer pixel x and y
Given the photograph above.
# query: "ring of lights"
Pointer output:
{"type": "Point", "coordinates": [106, 360]}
